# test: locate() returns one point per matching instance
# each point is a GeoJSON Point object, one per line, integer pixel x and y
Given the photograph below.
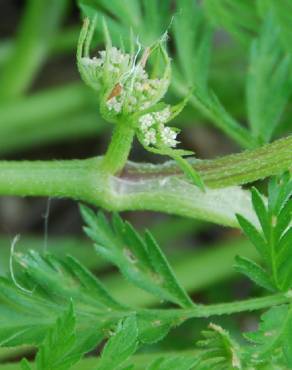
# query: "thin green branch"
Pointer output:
{"type": "Point", "coordinates": [200, 311]}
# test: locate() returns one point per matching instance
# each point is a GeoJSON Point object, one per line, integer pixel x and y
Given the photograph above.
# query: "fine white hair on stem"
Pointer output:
{"type": "Point", "coordinates": [165, 36]}
{"type": "Point", "coordinates": [130, 73]}
{"type": "Point", "coordinates": [46, 223]}
{"type": "Point", "coordinates": [137, 53]}
{"type": "Point", "coordinates": [13, 243]}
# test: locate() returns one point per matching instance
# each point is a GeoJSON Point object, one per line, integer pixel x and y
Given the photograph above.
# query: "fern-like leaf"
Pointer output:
{"type": "Point", "coordinates": [271, 344]}
{"type": "Point", "coordinates": [274, 241]}
{"type": "Point", "coordinates": [174, 363]}
{"type": "Point", "coordinates": [58, 350]}
{"type": "Point", "coordinates": [219, 350]}
{"type": "Point", "coordinates": [139, 259]}
{"type": "Point", "coordinates": [268, 82]}
{"type": "Point", "coordinates": [122, 344]}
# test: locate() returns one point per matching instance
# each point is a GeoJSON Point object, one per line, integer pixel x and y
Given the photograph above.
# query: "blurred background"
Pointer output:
{"type": "Point", "coordinates": [47, 113]}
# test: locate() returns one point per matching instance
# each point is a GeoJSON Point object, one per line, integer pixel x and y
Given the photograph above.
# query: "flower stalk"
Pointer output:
{"type": "Point", "coordinates": [118, 151]}
{"type": "Point", "coordinates": [130, 95]}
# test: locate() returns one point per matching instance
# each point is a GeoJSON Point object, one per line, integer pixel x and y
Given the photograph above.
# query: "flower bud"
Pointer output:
{"type": "Point", "coordinates": [130, 94]}
{"type": "Point", "coordinates": [121, 79]}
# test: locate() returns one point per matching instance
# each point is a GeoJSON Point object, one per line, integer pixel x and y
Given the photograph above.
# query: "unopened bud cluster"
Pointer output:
{"type": "Point", "coordinates": [126, 91]}
{"type": "Point", "coordinates": [131, 98]}
{"type": "Point", "coordinates": [130, 88]}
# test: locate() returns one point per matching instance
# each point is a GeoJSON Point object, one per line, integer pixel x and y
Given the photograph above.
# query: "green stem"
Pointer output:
{"type": "Point", "coordinates": [149, 187]}
{"type": "Point", "coordinates": [200, 311]}
{"type": "Point", "coordinates": [119, 149]}
{"type": "Point", "coordinates": [235, 169]}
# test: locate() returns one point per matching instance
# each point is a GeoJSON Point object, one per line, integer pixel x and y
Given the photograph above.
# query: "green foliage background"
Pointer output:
{"type": "Point", "coordinates": [141, 300]}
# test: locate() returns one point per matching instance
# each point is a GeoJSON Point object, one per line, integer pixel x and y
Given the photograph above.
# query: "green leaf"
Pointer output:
{"type": "Point", "coordinates": [148, 19]}
{"type": "Point", "coordinates": [261, 211]}
{"type": "Point", "coordinates": [91, 285]}
{"type": "Point", "coordinates": [192, 36]}
{"type": "Point", "coordinates": [219, 349]}
{"type": "Point", "coordinates": [255, 237]}
{"type": "Point", "coordinates": [280, 191]}
{"type": "Point", "coordinates": [129, 14]}
{"type": "Point", "coordinates": [275, 221]}
{"type": "Point", "coordinates": [268, 84]}
{"type": "Point", "coordinates": [211, 107]}
{"type": "Point", "coordinates": [283, 220]}
{"type": "Point", "coordinates": [254, 272]}
{"type": "Point", "coordinates": [273, 336]}
{"type": "Point", "coordinates": [284, 259]}
{"type": "Point", "coordinates": [139, 259]}
{"type": "Point", "coordinates": [173, 363]}
{"type": "Point", "coordinates": [162, 267]}
{"type": "Point", "coordinates": [152, 328]}
{"type": "Point", "coordinates": [239, 17]}
{"type": "Point", "coordinates": [189, 171]}
{"type": "Point", "coordinates": [58, 350]}
{"type": "Point", "coordinates": [120, 346]}
{"type": "Point", "coordinates": [26, 317]}
{"type": "Point", "coordinates": [283, 15]}
{"type": "Point", "coordinates": [25, 365]}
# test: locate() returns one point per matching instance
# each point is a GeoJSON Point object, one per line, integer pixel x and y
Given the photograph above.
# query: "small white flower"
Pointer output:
{"type": "Point", "coordinates": [163, 115]}
{"type": "Point", "coordinates": [146, 105]}
{"type": "Point", "coordinates": [116, 56]}
{"type": "Point", "coordinates": [138, 86]}
{"type": "Point", "coordinates": [133, 100]}
{"type": "Point", "coordinates": [91, 62]}
{"type": "Point", "coordinates": [102, 54]}
{"type": "Point", "coordinates": [114, 104]}
{"type": "Point", "coordinates": [146, 121]}
{"type": "Point", "coordinates": [140, 73]}
{"type": "Point", "coordinates": [151, 92]}
{"type": "Point", "coordinates": [113, 69]}
{"type": "Point", "coordinates": [150, 137]}
{"type": "Point", "coordinates": [155, 83]}
{"type": "Point", "coordinates": [168, 136]}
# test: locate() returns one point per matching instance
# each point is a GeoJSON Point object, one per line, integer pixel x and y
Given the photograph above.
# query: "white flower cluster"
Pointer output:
{"type": "Point", "coordinates": [113, 60]}
{"type": "Point", "coordinates": [137, 91]}
{"type": "Point", "coordinates": [153, 129]}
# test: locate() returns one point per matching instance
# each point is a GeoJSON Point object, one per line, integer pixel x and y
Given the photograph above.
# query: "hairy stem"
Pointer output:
{"type": "Point", "coordinates": [226, 308]}
{"type": "Point", "coordinates": [118, 151]}
{"type": "Point", "coordinates": [236, 169]}
{"type": "Point", "coordinates": [149, 187]}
